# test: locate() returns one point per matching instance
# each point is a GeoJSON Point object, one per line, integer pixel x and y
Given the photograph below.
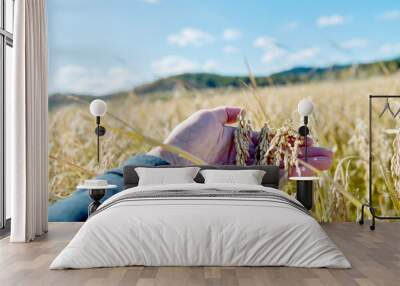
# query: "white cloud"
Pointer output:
{"type": "Point", "coordinates": [150, 1]}
{"type": "Point", "coordinates": [390, 49]}
{"type": "Point", "coordinates": [230, 49]}
{"type": "Point", "coordinates": [94, 81]}
{"type": "Point", "coordinates": [190, 37]}
{"type": "Point", "coordinates": [280, 57]}
{"type": "Point", "coordinates": [354, 43]}
{"type": "Point", "coordinates": [174, 64]}
{"type": "Point", "coordinates": [291, 26]}
{"type": "Point", "coordinates": [209, 65]}
{"type": "Point", "coordinates": [303, 56]}
{"type": "Point", "coordinates": [231, 34]}
{"type": "Point", "coordinates": [270, 48]}
{"type": "Point", "coordinates": [273, 54]}
{"type": "Point", "coordinates": [331, 20]}
{"type": "Point", "coordinates": [390, 15]}
{"type": "Point", "coordinates": [264, 42]}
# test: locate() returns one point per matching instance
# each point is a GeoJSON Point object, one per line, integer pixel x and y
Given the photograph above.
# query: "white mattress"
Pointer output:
{"type": "Point", "coordinates": [200, 231]}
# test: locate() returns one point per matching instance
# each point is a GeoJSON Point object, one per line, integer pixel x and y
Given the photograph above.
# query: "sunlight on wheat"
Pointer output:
{"type": "Point", "coordinates": [340, 123]}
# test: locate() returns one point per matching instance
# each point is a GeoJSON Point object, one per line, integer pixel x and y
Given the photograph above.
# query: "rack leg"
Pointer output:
{"type": "Point", "coordinates": [372, 226]}
{"type": "Point", "coordinates": [361, 221]}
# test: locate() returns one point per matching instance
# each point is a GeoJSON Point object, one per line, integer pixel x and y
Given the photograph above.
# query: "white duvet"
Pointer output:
{"type": "Point", "coordinates": [200, 231]}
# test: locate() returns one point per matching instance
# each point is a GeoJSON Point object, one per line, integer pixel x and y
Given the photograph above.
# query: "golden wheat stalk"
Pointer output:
{"type": "Point", "coordinates": [395, 164]}
{"type": "Point", "coordinates": [260, 112]}
{"type": "Point", "coordinates": [73, 165]}
{"type": "Point", "coordinates": [335, 185]}
{"type": "Point", "coordinates": [242, 138]}
{"type": "Point", "coordinates": [153, 142]}
{"type": "Point", "coordinates": [263, 146]}
{"type": "Point", "coordinates": [134, 134]}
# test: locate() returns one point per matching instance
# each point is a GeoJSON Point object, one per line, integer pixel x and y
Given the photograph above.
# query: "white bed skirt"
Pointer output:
{"type": "Point", "coordinates": [200, 232]}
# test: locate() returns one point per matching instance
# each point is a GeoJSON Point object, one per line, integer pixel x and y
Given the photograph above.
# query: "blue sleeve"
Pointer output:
{"type": "Point", "coordinates": [74, 207]}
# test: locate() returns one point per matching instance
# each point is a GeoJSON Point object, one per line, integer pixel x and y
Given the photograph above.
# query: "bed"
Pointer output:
{"type": "Point", "coordinates": [198, 224]}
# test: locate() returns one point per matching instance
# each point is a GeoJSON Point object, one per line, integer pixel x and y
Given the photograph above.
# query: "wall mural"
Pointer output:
{"type": "Point", "coordinates": [220, 83]}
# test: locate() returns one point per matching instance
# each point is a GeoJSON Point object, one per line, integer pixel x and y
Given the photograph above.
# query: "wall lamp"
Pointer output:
{"type": "Point", "coordinates": [98, 108]}
{"type": "Point", "coordinates": [304, 192]}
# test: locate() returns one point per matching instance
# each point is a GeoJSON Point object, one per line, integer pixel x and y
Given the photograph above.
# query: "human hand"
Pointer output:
{"type": "Point", "coordinates": [318, 157]}
{"type": "Point", "coordinates": [205, 135]}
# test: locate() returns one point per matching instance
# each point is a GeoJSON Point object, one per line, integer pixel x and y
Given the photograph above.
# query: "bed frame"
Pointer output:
{"type": "Point", "coordinates": [270, 179]}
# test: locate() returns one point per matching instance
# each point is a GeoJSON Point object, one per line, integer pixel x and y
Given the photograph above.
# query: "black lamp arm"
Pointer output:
{"type": "Point", "coordinates": [100, 131]}
{"type": "Point", "coordinates": [304, 131]}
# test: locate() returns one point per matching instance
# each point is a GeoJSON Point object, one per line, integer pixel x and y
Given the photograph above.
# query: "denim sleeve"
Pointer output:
{"type": "Point", "coordinates": [74, 207]}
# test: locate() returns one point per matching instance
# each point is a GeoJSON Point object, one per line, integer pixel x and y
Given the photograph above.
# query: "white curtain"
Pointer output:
{"type": "Point", "coordinates": [26, 127]}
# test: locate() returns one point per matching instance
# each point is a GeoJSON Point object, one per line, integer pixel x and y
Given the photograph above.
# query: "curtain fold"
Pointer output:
{"type": "Point", "coordinates": [27, 123]}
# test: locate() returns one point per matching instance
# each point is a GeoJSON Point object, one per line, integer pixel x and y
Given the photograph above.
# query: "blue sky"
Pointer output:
{"type": "Point", "coordinates": [102, 46]}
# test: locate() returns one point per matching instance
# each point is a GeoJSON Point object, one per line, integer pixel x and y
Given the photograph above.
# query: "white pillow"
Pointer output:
{"type": "Point", "coordinates": [165, 176]}
{"type": "Point", "coordinates": [248, 177]}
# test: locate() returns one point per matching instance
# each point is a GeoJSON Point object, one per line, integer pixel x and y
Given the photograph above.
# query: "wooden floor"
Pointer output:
{"type": "Point", "coordinates": [375, 257]}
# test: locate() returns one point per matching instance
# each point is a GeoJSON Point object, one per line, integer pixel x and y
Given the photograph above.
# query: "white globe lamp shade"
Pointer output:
{"type": "Point", "coordinates": [98, 107]}
{"type": "Point", "coordinates": [305, 107]}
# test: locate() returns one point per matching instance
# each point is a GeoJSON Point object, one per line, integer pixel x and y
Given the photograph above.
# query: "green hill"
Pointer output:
{"type": "Point", "coordinates": [292, 76]}
{"type": "Point", "coordinates": [196, 81]}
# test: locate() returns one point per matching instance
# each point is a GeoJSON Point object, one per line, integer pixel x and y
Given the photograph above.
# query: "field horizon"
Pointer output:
{"type": "Point", "coordinates": [202, 81]}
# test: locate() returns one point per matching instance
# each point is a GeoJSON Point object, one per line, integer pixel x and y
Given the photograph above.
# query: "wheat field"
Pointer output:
{"type": "Point", "coordinates": [339, 123]}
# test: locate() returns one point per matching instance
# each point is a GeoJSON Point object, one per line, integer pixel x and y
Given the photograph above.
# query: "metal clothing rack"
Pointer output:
{"type": "Point", "coordinates": [371, 208]}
